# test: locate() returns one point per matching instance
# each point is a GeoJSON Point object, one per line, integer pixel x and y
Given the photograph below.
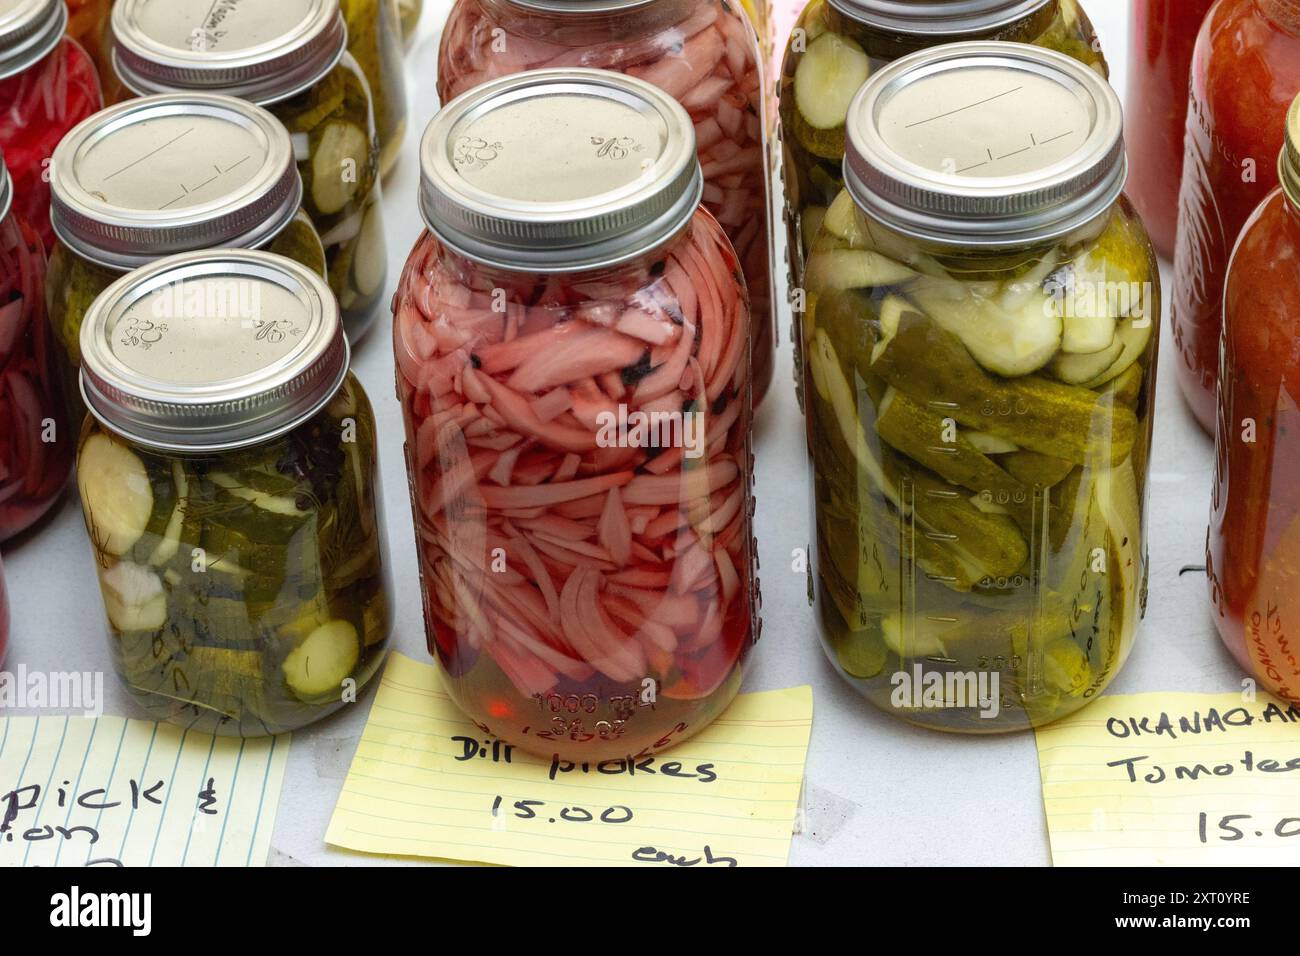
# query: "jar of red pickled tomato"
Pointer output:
{"type": "Point", "coordinates": [702, 52]}
{"type": "Point", "coordinates": [48, 85]}
{"type": "Point", "coordinates": [1254, 543]}
{"type": "Point", "coordinates": [36, 441]}
{"type": "Point", "coordinates": [1160, 65]}
{"type": "Point", "coordinates": [572, 342]}
{"type": "Point", "coordinates": [1245, 73]}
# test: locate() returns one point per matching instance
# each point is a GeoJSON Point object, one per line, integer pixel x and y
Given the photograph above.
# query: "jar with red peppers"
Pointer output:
{"type": "Point", "coordinates": [36, 444]}
{"type": "Point", "coordinates": [1160, 66]}
{"type": "Point", "coordinates": [48, 85]}
{"type": "Point", "coordinates": [1245, 73]}
{"type": "Point", "coordinates": [572, 344]}
{"type": "Point", "coordinates": [1254, 543]}
{"type": "Point", "coordinates": [702, 52]}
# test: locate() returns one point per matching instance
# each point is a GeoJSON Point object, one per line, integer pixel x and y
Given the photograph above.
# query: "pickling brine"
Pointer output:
{"type": "Point", "coordinates": [578, 430]}
{"type": "Point", "coordinates": [228, 476]}
{"type": "Point", "coordinates": [979, 408]}
{"type": "Point", "coordinates": [704, 53]}
{"type": "Point", "coordinates": [36, 441]}
{"type": "Point", "coordinates": [375, 42]}
{"type": "Point", "coordinates": [48, 85]}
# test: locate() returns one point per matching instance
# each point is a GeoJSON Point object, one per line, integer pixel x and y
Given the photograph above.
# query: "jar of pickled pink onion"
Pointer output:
{"type": "Point", "coordinates": [572, 341]}
{"type": "Point", "coordinates": [704, 53]}
{"type": "Point", "coordinates": [37, 443]}
{"type": "Point", "coordinates": [48, 84]}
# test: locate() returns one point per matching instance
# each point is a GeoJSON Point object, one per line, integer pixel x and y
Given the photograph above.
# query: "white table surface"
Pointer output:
{"type": "Point", "coordinates": [878, 791]}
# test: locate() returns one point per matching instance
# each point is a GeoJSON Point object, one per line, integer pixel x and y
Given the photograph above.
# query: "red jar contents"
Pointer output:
{"type": "Point", "coordinates": [578, 440]}
{"type": "Point", "coordinates": [36, 443]}
{"type": "Point", "coordinates": [704, 53]}
{"type": "Point", "coordinates": [1160, 65]}
{"type": "Point", "coordinates": [1254, 542]}
{"type": "Point", "coordinates": [48, 85]}
{"type": "Point", "coordinates": [1245, 73]}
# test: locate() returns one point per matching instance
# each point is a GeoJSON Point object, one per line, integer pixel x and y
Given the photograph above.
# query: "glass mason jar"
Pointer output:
{"type": "Point", "coordinates": [375, 42]}
{"type": "Point", "coordinates": [296, 65]}
{"type": "Point", "coordinates": [408, 12]}
{"type": "Point", "coordinates": [228, 477]}
{"type": "Point", "coordinates": [48, 85]}
{"type": "Point", "coordinates": [572, 347]}
{"type": "Point", "coordinates": [160, 175]}
{"type": "Point", "coordinates": [1245, 72]}
{"type": "Point", "coordinates": [702, 52]}
{"type": "Point", "coordinates": [1160, 69]}
{"type": "Point", "coordinates": [980, 352]}
{"type": "Point", "coordinates": [837, 44]}
{"type": "Point", "coordinates": [1254, 544]}
{"type": "Point", "coordinates": [36, 443]}
{"type": "Point", "coordinates": [88, 26]}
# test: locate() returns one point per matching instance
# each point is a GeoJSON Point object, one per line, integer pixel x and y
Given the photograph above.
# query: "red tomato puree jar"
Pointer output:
{"type": "Point", "coordinates": [702, 52]}
{"type": "Point", "coordinates": [1254, 543]}
{"type": "Point", "coordinates": [1245, 73]}
{"type": "Point", "coordinates": [48, 85]}
{"type": "Point", "coordinates": [572, 343]}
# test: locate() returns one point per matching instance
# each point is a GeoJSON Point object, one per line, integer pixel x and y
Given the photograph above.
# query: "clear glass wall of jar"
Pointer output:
{"type": "Point", "coordinates": [572, 361]}
{"type": "Point", "coordinates": [408, 12]}
{"type": "Point", "coordinates": [160, 175]}
{"type": "Point", "coordinates": [979, 371]}
{"type": "Point", "coordinates": [48, 85]}
{"type": "Point", "coordinates": [1245, 72]}
{"type": "Point", "coordinates": [229, 482]}
{"type": "Point", "coordinates": [88, 26]}
{"type": "Point", "coordinates": [36, 437]}
{"type": "Point", "coordinates": [837, 44]}
{"type": "Point", "coordinates": [375, 42]}
{"type": "Point", "coordinates": [1254, 542]}
{"type": "Point", "coordinates": [702, 52]}
{"type": "Point", "coordinates": [1159, 75]}
{"type": "Point", "coordinates": [303, 75]}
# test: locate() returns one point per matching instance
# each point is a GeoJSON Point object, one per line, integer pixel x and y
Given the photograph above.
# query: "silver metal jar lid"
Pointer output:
{"type": "Point", "coordinates": [1289, 167]}
{"type": "Point", "coordinates": [209, 351]}
{"type": "Point", "coordinates": [257, 50]}
{"type": "Point", "coordinates": [559, 170]}
{"type": "Point", "coordinates": [29, 29]}
{"type": "Point", "coordinates": [985, 144]}
{"type": "Point", "coordinates": [938, 17]}
{"type": "Point", "coordinates": [173, 173]}
{"type": "Point", "coordinates": [581, 6]}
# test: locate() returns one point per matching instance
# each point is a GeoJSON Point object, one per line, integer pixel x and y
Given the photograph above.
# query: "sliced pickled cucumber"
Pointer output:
{"type": "Point", "coordinates": [1076, 369]}
{"type": "Point", "coordinates": [370, 265]}
{"type": "Point", "coordinates": [1132, 336]}
{"type": "Point", "coordinates": [1128, 386]}
{"type": "Point", "coordinates": [275, 504]}
{"type": "Point", "coordinates": [338, 165]}
{"type": "Point", "coordinates": [1034, 470]}
{"type": "Point", "coordinates": [326, 98]}
{"type": "Point", "coordinates": [924, 639]}
{"type": "Point", "coordinates": [116, 493]}
{"type": "Point", "coordinates": [317, 667]}
{"type": "Point", "coordinates": [990, 444]}
{"type": "Point", "coordinates": [853, 269]}
{"type": "Point", "coordinates": [134, 597]}
{"type": "Point", "coordinates": [861, 654]}
{"type": "Point", "coordinates": [824, 143]}
{"type": "Point", "coordinates": [828, 76]}
{"type": "Point", "coordinates": [170, 541]}
{"type": "Point", "coordinates": [810, 223]}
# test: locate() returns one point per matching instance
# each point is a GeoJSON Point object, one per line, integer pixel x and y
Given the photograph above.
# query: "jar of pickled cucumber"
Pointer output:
{"type": "Point", "coordinates": [837, 44]}
{"type": "Point", "coordinates": [48, 85]}
{"type": "Point", "coordinates": [375, 42]}
{"type": "Point", "coordinates": [1253, 550]}
{"type": "Point", "coordinates": [159, 175]}
{"type": "Point", "coordinates": [980, 353]}
{"type": "Point", "coordinates": [572, 339]}
{"type": "Point", "coordinates": [293, 61]}
{"type": "Point", "coordinates": [228, 478]}
{"type": "Point", "coordinates": [704, 53]}
{"type": "Point", "coordinates": [36, 438]}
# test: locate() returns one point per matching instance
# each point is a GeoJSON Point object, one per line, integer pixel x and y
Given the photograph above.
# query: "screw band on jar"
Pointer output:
{"type": "Point", "coordinates": [948, 17]}
{"type": "Point", "coordinates": [29, 30]}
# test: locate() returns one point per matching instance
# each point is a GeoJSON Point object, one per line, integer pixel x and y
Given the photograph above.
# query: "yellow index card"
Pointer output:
{"type": "Point", "coordinates": [426, 781]}
{"type": "Point", "coordinates": [1174, 780]}
{"type": "Point", "coordinates": [108, 791]}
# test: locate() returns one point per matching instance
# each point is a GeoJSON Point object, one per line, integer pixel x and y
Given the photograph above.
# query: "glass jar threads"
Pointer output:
{"type": "Point", "coordinates": [228, 479]}
{"type": "Point", "coordinates": [702, 52]}
{"type": "Point", "coordinates": [160, 175]}
{"type": "Point", "coordinates": [1254, 543]}
{"type": "Point", "coordinates": [36, 437]}
{"type": "Point", "coordinates": [572, 339]}
{"type": "Point", "coordinates": [293, 61]}
{"type": "Point", "coordinates": [48, 85]}
{"type": "Point", "coordinates": [980, 349]}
